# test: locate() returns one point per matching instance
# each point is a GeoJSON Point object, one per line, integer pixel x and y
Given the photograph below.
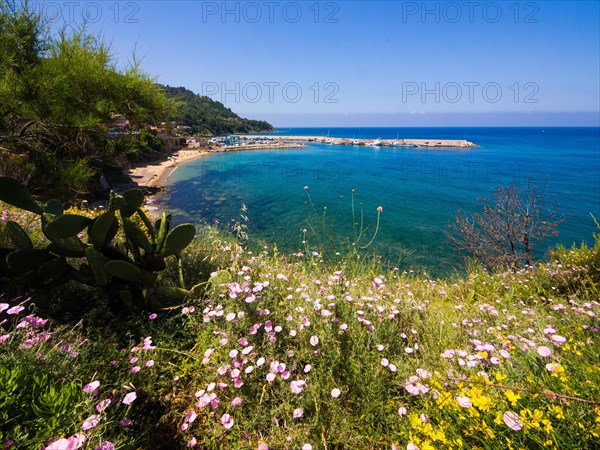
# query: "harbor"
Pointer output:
{"type": "Point", "coordinates": [326, 140]}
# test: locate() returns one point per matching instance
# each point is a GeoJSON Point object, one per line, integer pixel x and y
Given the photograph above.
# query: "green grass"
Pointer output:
{"type": "Point", "coordinates": [477, 339]}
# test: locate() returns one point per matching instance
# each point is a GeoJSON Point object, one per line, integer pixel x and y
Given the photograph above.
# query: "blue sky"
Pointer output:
{"type": "Point", "coordinates": [388, 63]}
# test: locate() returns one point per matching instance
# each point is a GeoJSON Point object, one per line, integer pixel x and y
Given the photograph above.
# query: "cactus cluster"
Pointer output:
{"type": "Point", "coordinates": [127, 268]}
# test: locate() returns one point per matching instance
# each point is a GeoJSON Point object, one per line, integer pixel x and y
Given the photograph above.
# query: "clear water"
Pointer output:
{"type": "Point", "coordinates": [419, 189]}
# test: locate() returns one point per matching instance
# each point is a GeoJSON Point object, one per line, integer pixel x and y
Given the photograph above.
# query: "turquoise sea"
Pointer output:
{"type": "Point", "coordinates": [419, 189]}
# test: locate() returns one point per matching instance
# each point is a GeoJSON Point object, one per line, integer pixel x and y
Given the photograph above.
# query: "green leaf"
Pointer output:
{"type": "Point", "coordinates": [128, 272]}
{"type": "Point", "coordinates": [66, 226]}
{"type": "Point", "coordinates": [15, 194]}
{"type": "Point", "coordinates": [18, 236]}
{"type": "Point", "coordinates": [135, 235]}
{"type": "Point", "coordinates": [23, 261]}
{"type": "Point", "coordinates": [54, 207]}
{"type": "Point", "coordinates": [53, 269]}
{"type": "Point", "coordinates": [70, 248]}
{"type": "Point", "coordinates": [96, 261]}
{"type": "Point", "coordinates": [162, 225]}
{"type": "Point", "coordinates": [103, 229]}
{"type": "Point", "coordinates": [178, 239]}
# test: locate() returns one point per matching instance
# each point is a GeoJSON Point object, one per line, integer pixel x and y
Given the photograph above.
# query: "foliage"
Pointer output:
{"type": "Point", "coordinates": [506, 233]}
{"type": "Point", "coordinates": [283, 352]}
{"type": "Point", "coordinates": [207, 116]}
{"type": "Point", "coordinates": [59, 93]}
{"type": "Point", "coordinates": [127, 269]}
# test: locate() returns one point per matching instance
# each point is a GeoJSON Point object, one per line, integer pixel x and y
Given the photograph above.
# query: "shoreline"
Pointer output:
{"type": "Point", "coordinates": [154, 175]}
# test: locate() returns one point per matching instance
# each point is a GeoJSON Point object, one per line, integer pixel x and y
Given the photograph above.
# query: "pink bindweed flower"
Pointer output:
{"type": "Point", "coordinates": [192, 442]}
{"type": "Point", "coordinates": [512, 421]}
{"type": "Point", "coordinates": [464, 402]}
{"type": "Point", "coordinates": [3, 306]}
{"type": "Point", "coordinates": [152, 316]}
{"type": "Point", "coordinates": [411, 446]}
{"type": "Point", "coordinates": [90, 422]}
{"type": "Point", "coordinates": [307, 447]}
{"type": "Point", "coordinates": [558, 339]}
{"type": "Point", "coordinates": [237, 401]}
{"type": "Point", "coordinates": [297, 386]}
{"type": "Point", "coordinates": [314, 340]}
{"type": "Point", "coordinates": [190, 416]}
{"type": "Point", "coordinates": [307, 368]}
{"type": "Point", "coordinates": [125, 422]}
{"type": "Point", "coordinates": [270, 376]}
{"type": "Point", "coordinates": [150, 363]}
{"type": "Point", "coordinates": [385, 362]}
{"type": "Point", "coordinates": [262, 446]}
{"type": "Point", "coordinates": [135, 369]}
{"type": "Point", "coordinates": [129, 398]}
{"type": "Point", "coordinates": [335, 392]}
{"type": "Point", "coordinates": [544, 351]}
{"type": "Point", "coordinates": [92, 387]}
{"type": "Point", "coordinates": [15, 310]}
{"type": "Point", "coordinates": [402, 411]}
{"type": "Point", "coordinates": [106, 445]}
{"type": "Point", "coordinates": [298, 412]}
{"type": "Point", "coordinates": [72, 443]}
{"type": "Point", "coordinates": [102, 405]}
{"type": "Point", "coordinates": [227, 421]}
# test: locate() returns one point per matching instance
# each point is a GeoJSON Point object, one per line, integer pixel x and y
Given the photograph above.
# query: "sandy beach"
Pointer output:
{"type": "Point", "coordinates": [156, 174]}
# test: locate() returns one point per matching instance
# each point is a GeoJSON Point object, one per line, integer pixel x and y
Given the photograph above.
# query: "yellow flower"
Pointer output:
{"type": "Point", "coordinates": [512, 397]}
{"type": "Point", "coordinates": [500, 377]}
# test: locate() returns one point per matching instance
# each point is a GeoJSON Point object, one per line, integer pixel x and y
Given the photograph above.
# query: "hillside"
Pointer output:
{"type": "Point", "coordinates": [207, 116]}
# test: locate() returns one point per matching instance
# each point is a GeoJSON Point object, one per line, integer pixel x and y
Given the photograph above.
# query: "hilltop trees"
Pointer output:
{"type": "Point", "coordinates": [58, 93]}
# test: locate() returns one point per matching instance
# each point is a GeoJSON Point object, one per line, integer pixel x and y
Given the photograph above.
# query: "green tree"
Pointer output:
{"type": "Point", "coordinates": [58, 94]}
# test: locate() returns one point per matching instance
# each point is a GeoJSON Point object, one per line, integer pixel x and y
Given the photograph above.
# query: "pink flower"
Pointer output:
{"type": "Point", "coordinates": [91, 387]}
{"type": "Point", "coordinates": [150, 363]}
{"type": "Point", "coordinates": [152, 316]}
{"type": "Point", "coordinates": [3, 306]}
{"type": "Point", "coordinates": [129, 398]}
{"type": "Point", "coordinates": [385, 362]}
{"type": "Point", "coordinates": [402, 411]}
{"type": "Point", "coordinates": [544, 351]}
{"type": "Point", "coordinates": [125, 422]}
{"type": "Point", "coordinates": [190, 416]}
{"type": "Point", "coordinates": [464, 402]}
{"type": "Point", "coordinates": [314, 340]}
{"type": "Point", "coordinates": [100, 407]}
{"type": "Point", "coordinates": [135, 369]}
{"type": "Point", "coordinates": [90, 422]}
{"type": "Point", "coordinates": [270, 377]}
{"type": "Point", "coordinates": [298, 412]}
{"type": "Point", "coordinates": [307, 368]}
{"type": "Point", "coordinates": [411, 446]}
{"type": "Point", "coordinates": [237, 401]}
{"type": "Point", "coordinates": [15, 310]}
{"type": "Point", "coordinates": [262, 446]}
{"type": "Point", "coordinates": [556, 338]}
{"type": "Point", "coordinates": [307, 447]}
{"type": "Point", "coordinates": [335, 392]}
{"type": "Point", "coordinates": [72, 443]}
{"type": "Point", "coordinates": [106, 445]}
{"type": "Point", "coordinates": [297, 386]}
{"type": "Point", "coordinates": [192, 442]}
{"type": "Point", "coordinates": [512, 421]}
{"type": "Point", "coordinates": [227, 421]}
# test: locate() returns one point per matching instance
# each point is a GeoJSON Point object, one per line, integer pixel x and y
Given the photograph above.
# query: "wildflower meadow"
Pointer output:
{"type": "Point", "coordinates": [294, 352]}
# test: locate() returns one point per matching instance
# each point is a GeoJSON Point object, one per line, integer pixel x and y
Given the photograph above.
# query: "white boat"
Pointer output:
{"type": "Point", "coordinates": [375, 143]}
{"type": "Point", "coordinates": [355, 142]}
